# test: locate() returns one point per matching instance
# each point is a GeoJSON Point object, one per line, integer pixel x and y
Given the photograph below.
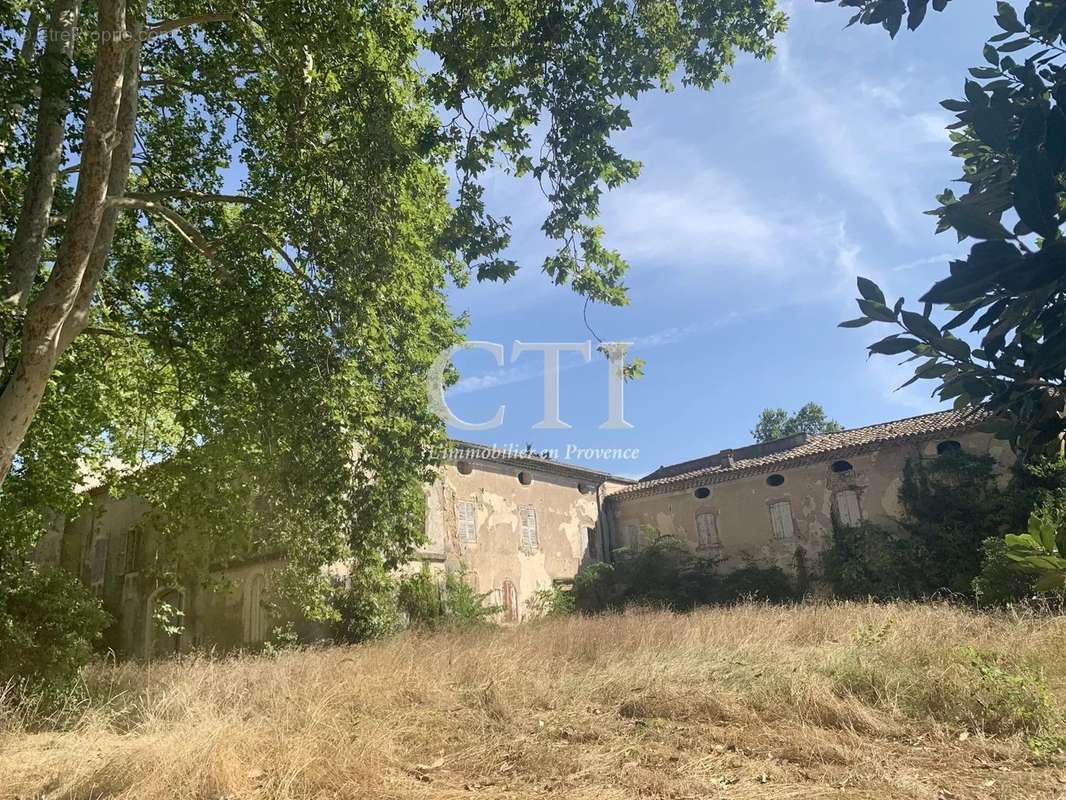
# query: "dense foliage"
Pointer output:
{"type": "Point", "coordinates": [950, 537]}
{"type": "Point", "coordinates": [226, 231]}
{"type": "Point", "coordinates": [1011, 136]}
{"type": "Point", "coordinates": [668, 574]}
{"type": "Point", "coordinates": [48, 628]}
{"type": "Point", "coordinates": [776, 423]}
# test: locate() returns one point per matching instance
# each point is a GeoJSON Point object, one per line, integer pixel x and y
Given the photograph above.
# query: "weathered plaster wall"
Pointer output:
{"type": "Point", "coordinates": [215, 616]}
{"type": "Point", "coordinates": [742, 506]}
{"type": "Point", "coordinates": [564, 516]}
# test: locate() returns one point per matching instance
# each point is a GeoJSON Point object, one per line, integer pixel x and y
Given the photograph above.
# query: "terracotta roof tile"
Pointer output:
{"type": "Point", "coordinates": [811, 448]}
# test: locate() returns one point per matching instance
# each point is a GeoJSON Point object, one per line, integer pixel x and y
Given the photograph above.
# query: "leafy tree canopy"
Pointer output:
{"type": "Point", "coordinates": [225, 231]}
{"type": "Point", "coordinates": [1010, 134]}
{"type": "Point", "coordinates": [776, 423]}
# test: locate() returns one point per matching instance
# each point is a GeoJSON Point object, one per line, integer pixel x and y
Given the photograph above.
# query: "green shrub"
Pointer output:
{"type": "Point", "coordinates": [667, 574]}
{"type": "Point", "coordinates": [867, 561]}
{"type": "Point", "coordinates": [49, 625]}
{"type": "Point", "coordinates": [952, 506]}
{"type": "Point", "coordinates": [430, 602]}
{"type": "Point", "coordinates": [366, 606]}
{"type": "Point", "coordinates": [1000, 581]}
{"type": "Point", "coordinates": [752, 582]}
{"type": "Point", "coordinates": [558, 601]}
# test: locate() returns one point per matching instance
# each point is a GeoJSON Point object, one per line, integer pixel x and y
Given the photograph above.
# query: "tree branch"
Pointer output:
{"type": "Point", "coordinates": [189, 232]}
{"type": "Point", "coordinates": [185, 22]}
{"type": "Point", "coordinates": [155, 197]}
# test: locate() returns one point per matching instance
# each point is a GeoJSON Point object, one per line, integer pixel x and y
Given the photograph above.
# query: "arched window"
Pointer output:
{"type": "Point", "coordinates": [255, 622]}
{"type": "Point", "coordinates": [166, 622]}
{"type": "Point", "coordinates": [841, 466]}
{"type": "Point", "coordinates": [948, 447]}
{"type": "Point", "coordinates": [509, 601]}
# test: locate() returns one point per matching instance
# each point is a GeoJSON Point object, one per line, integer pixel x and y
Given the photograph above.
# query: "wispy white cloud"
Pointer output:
{"type": "Point", "coordinates": [865, 133]}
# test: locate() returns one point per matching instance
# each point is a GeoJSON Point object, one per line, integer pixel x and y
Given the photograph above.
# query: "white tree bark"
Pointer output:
{"type": "Point", "coordinates": [42, 331]}
{"type": "Point", "coordinates": [28, 242]}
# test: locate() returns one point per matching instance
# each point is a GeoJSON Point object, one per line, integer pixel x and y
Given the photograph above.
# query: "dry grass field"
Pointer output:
{"type": "Point", "coordinates": [844, 700]}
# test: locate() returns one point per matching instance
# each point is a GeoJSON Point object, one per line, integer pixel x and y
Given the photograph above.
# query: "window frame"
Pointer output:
{"type": "Point", "coordinates": [780, 535]}
{"type": "Point", "coordinates": [714, 539]}
{"type": "Point", "coordinates": [848, 522]}
{"type": "Point", "coordinates": [529, 535]}
{"type": "Point", "coordinates": [464, 538]}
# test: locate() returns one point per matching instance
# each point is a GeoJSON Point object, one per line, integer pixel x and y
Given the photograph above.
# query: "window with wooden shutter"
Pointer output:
{"type": "Point", "coordinates": [632, 538]}
{"type": "Point", "coordinates": [133, 551]}
{"type": "Point", "coordinates": [707, 530]}
{"type": "Point", "coordinates": [848, 510]}
{"type": "Point", "coordinates": [464, 512]}
{"type": "Point", "coordinates": [593, 543]}
{"type": "Point", "coordinates": [781, 519]}
{"type": "Point", "coordinates": [529, 528]}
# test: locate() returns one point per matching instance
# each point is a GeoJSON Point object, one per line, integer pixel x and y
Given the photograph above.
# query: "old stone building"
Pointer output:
{"type": "Point", "coordinates": [767, 502]}
{"type": "Point", "coordinates": [514, 523]}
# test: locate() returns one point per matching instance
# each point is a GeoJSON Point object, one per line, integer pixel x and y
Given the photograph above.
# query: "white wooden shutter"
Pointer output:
{"type": "Point", "coordinates": [848, 507]}
{"type": "Point", "coordinates": [781, 519]}
{"type": "Point", "coordinates": [464, 511]}
{"type": "Point", "coordinates": [707, 530]}
{"type": "Point", "coordinates": [529, 528]}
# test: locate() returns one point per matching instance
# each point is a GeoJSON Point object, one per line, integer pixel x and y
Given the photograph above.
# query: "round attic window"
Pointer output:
{"type": "Point", "coordinates": [464, 467]}
{"type": "Point", "coordinates": [702, 493]}
{"type": "Point", "coordinates": [841, 466]}
{"type": "Point", "coordinates": [948, 447]}
{"type": "Point", "coordinates": [525, 478]}
{"type": "Point", "coordinates": [584, 488]}
{"type": "Point", "coordinates": [775, 480]}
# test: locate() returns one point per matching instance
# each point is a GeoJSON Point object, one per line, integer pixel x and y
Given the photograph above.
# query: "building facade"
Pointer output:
{"type": "Point", "coordinates": [514, 523]}
{"type": "Point", "coordinates": [773, 503]}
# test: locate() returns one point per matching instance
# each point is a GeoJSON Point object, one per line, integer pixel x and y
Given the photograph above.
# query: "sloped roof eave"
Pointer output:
{"type": "Point", "coordinates": [786, 461]}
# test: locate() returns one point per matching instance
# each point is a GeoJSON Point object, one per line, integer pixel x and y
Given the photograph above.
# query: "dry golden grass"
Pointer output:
{"type": "Point", "coordinates": [843, 700]}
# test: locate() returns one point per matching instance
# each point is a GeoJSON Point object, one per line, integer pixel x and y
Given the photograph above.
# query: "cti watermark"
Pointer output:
{"type": "Point", "coordinates": [615, 352]}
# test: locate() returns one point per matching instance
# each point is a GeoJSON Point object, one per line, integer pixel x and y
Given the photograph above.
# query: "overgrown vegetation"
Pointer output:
{"type": "Point", "coordinates": [951, 539]}
{"type": "Point", "coordinates": [49, 625]}
{"type": "Point", "coordinates": [666, 573]}
{"type": "Point", "coordinates": [754, 702]}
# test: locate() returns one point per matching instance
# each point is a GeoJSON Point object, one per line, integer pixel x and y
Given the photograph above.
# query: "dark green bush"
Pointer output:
{"type": "Point", "coordinates": [667, 574]}
{"type": "Point", "coordinates": [49, 625]}
{"type": "Point", "coordinates": [1000, 581]}
{"type": "Point", "coordinates": [867, 561]}
{"type": "Point", "coordinates": [952, 505]}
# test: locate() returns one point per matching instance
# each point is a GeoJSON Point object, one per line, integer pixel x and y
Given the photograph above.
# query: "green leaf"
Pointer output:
{"type": "Point", "coordinates": [969, 220]}
{"type": "Point", "coordinates": [1017, 44]}
{"type": "Point", "coordinates": [893, 345]}
{"type": "Point", "coordinates": [855, 323]}
{"type": "Point", "coordinates": [1035, 193]}
{"type": "Point", "coordinates": [1007, 18]}
{"type": "Point", "coordinates": [871, 291]}
{"type": "Point", "coordinates": [921, 327]}
{"type": "Point", "coordinates": [877, 311]}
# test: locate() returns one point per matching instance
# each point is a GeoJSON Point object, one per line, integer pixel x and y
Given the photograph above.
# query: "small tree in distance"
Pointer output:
{"type": "Point", "coordinates": [776, 423]}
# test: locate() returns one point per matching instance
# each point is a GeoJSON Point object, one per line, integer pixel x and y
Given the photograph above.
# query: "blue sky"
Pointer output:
{"type": "Point", "coordinates": [758, 204]}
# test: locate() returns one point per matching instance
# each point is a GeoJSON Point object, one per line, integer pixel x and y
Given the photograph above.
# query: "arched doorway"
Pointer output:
{"type": "Point", "coordinates": [255, 618]}
{"type": "Point", "coordinates": [166, 622]}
